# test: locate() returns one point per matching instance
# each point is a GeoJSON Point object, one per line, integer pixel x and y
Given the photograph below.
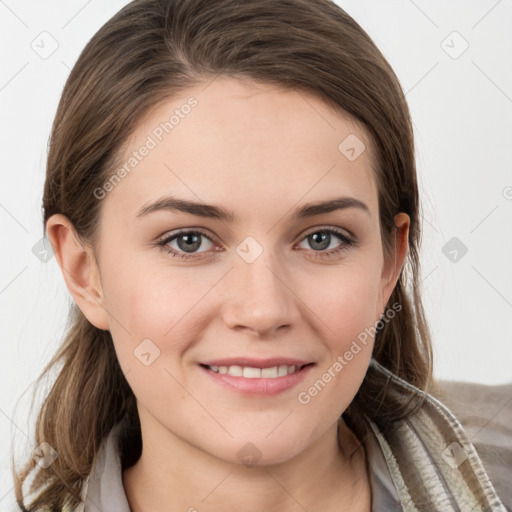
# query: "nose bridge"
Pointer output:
{"type": "Point", "coordinates": [261, 300]}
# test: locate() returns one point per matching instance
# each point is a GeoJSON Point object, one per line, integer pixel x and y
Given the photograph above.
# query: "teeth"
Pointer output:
{"type": "Point", "coordinates": [251, 373]}
{"type": "Point", "coordinates": [255, 373]}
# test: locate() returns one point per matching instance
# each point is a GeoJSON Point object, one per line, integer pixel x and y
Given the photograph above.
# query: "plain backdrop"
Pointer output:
{"type": "Point", "coordinates": [454, 62]}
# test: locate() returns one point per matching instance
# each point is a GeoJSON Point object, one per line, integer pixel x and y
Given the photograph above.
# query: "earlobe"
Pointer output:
{"type": "Point", "coordinates": [393, 267]}
{"type": "Point", "coordinates": [79, 269]}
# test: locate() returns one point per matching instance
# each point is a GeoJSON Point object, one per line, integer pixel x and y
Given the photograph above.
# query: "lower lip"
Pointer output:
{"type": "Point", "coordinates": [259, 386]}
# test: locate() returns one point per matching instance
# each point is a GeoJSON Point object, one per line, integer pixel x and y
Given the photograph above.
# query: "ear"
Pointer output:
{"type": "Point", "coordinates": [392, 267]}
{"type": "Point", "coordinates": [79, 269]}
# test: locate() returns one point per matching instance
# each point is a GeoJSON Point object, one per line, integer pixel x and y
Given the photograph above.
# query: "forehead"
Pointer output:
{"type": "Point", "coordinates": [228, 139]}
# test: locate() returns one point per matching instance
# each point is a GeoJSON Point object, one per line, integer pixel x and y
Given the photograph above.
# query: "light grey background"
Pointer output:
{"type": "Point", "coordinates": [461, 105]}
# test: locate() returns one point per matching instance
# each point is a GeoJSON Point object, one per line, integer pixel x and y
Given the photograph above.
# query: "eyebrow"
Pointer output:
{"type": "Point", "coordinates": [217, 212]}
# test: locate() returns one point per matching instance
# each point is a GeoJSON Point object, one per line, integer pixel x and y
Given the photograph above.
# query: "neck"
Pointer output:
{"type": "Point", "coordinates": [330, 474]}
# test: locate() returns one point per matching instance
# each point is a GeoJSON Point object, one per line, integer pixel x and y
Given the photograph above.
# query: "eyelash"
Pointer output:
{"type": "Point", "coordinates": [345, 246]}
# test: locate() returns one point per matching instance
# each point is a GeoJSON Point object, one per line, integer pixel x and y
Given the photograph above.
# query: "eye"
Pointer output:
{"type": "Point", "coordinates": [321, 239]}
{"type": "Point", "coordinates": [187, 243]}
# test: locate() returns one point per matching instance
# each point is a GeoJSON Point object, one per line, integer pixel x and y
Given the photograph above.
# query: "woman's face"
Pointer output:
{"type": "Point", "coordinates": [252, 275]}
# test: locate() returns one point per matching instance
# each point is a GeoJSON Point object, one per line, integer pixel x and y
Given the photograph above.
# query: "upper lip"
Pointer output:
{"type": "Point", "coordinates": [257, 363]}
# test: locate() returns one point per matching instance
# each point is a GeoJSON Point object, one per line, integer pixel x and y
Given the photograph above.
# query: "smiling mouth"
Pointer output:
{"type": "Point", "coordinates": [249, 372]}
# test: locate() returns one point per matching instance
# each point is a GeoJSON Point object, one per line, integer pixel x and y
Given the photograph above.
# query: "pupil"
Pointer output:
{"type": "Point", "coordinates": [323, 236]}
{"type": "Point", "coordinates": [192, 242]}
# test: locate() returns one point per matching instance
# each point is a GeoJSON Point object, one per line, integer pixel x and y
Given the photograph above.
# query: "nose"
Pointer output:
{"type": "Point", "coordinates": [259, 296]}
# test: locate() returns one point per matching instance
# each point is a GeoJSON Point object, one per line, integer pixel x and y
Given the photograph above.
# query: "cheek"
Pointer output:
{"type": "Point", "coordinates": [346, 301]}
{"type": "Point", "coordinates": [150, 315]}
{"type": "Point", "coordinates": [154, 303]}
{"type": "Point", "coordinates": [348, 312]}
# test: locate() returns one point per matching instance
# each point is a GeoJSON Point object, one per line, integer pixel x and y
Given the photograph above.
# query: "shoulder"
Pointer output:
{"type": "Point", "coordinates": [485, 412]}
{"type": "Point", "coordinates": [474, 395]}
{"type": "Point", "coordinates": [453, 446]}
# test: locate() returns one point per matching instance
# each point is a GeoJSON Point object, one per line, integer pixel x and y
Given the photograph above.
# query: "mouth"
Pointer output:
{"type": "Point", "coordinates": [252, 372]}
{"type": "Point", "coordinates": [263, 378]}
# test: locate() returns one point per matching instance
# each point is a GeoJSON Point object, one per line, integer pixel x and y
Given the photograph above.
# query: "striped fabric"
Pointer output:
{"type": "Point", "coordinates": [432, 462]}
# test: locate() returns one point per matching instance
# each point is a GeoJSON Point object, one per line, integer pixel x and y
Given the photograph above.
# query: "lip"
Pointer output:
{"type": "Point", "coordinates": [262, 387]}
{"type": "Point", "coordinates": [256, 363]}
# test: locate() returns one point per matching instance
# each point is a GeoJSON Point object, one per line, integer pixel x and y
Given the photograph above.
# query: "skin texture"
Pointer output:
{"type": "Point", "coordinates": [260, 152]}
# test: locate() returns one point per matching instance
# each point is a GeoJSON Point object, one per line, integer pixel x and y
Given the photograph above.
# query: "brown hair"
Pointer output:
{"type": "Point", "coordinates": [148, 52]}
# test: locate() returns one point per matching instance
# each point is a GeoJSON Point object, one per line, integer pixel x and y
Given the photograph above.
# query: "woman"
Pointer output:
{"type": "Point", "coordinates": [231, 196]}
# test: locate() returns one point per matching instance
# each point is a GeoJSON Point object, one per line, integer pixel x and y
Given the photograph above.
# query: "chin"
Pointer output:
{"type": "Point", "coordinates": [260, 451]}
